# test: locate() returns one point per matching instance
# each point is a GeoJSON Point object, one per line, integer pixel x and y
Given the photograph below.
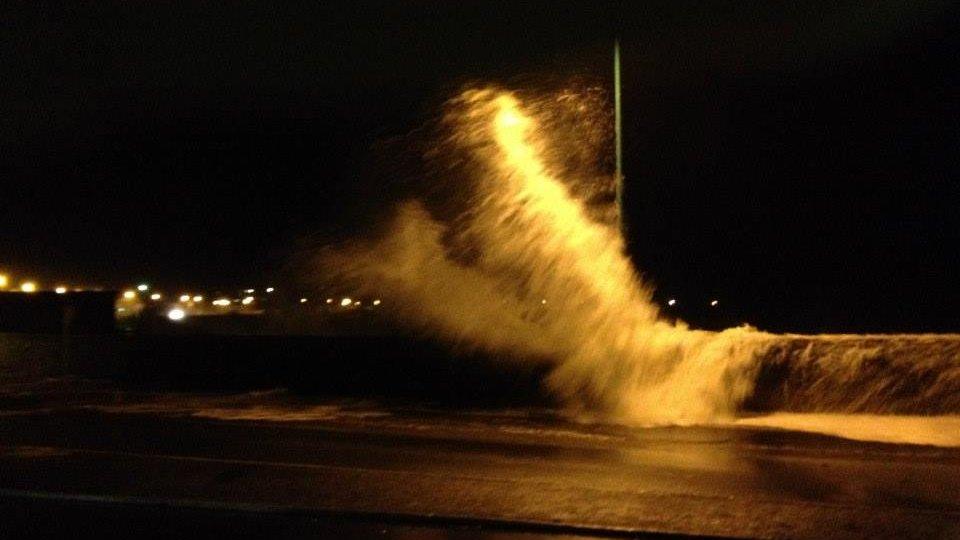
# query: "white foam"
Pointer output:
{"type": "Point", "coordinates": [928, 430]}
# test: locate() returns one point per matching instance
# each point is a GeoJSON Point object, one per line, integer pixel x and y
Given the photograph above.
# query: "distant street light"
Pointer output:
{"type": "Point", "coordinates": [176, 314]}
{"type": "Point", "coordinates": [28, 287]}
{"type": "Point", "coordinates": [714, 303]}
{"type": "Point", "coordinates": [143, 287]}
{"type": "Point", "coordinates": [129, 295]}
{"type": "Point", "coordinates": [155, 296]}
{"type": "Point", "coordinates": [184, 297]}
{"type": "Point", "coordinates": [60, 290]}
{"type": "Point", "coordinates": [4, 281]}
{"type": "Point", "coordinates": [346, 301]}
{"type": "Point", "coordinates": [671, 302]}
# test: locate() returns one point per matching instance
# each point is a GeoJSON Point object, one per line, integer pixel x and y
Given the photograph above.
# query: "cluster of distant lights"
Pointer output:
{"type": "Point", "coordinates": [346, 301]}
{"type": "Point", "coordinates": [673, 301]}
{"type": "Point", "coordinates": [178, 313]}
{"type": "Point", "coordinates": [31, 286]}
{"type": "Point", "coordinates": [25, 286]}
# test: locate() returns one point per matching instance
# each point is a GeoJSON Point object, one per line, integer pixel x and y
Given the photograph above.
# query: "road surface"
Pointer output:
{"type": "Point", "coordinates": [398, 465]}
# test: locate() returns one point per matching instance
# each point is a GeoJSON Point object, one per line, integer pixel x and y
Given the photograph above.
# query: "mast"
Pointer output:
{"type": "Point", "coordinates": [618, 131]}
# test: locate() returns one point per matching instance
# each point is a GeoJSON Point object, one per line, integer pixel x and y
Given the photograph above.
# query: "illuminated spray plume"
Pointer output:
{"type": "Point", "coordinates": [524, 237]}
{"type": "Point", "coordinates": [531, 267]}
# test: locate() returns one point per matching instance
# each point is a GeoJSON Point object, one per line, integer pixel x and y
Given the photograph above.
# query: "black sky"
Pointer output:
{"type": "Point", "coordinates": [798, 162]}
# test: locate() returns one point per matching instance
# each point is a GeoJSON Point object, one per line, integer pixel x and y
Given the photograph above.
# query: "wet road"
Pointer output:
{"type": "Point", "coordinates": [516, 467]}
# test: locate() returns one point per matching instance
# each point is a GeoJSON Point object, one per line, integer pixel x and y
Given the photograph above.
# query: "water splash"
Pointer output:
{"type": "Point", "coordinates": [527, 267]}
{"type": "Point", "coordinates": [526, 270]}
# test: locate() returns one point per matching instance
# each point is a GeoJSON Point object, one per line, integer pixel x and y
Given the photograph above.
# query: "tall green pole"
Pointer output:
{"type": "Point", "coordinates": [618, 131]}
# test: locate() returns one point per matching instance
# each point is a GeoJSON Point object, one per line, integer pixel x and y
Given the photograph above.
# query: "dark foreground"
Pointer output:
{"type": "Point", "coordinates": [173, 465]}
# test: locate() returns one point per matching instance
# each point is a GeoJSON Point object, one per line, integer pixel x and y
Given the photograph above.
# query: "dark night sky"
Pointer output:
{"type": "Point", "coordinates": [799, 163]}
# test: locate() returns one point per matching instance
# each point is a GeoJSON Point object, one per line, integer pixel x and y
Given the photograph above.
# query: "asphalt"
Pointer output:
{"type": "Point", "coordinates": [417, 473]}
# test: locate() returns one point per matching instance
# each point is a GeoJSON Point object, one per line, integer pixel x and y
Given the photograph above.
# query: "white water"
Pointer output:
{"type": "Point", "coordinates": [529, 270]}
{"type": "Point", "coordinates": [929, 430]}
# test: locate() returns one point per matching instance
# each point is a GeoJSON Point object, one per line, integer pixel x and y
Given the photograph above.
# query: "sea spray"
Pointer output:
{"type": "Point", "coordinates": [530, 267]}
{"type": "Point", "coordinates": [526, 270]}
